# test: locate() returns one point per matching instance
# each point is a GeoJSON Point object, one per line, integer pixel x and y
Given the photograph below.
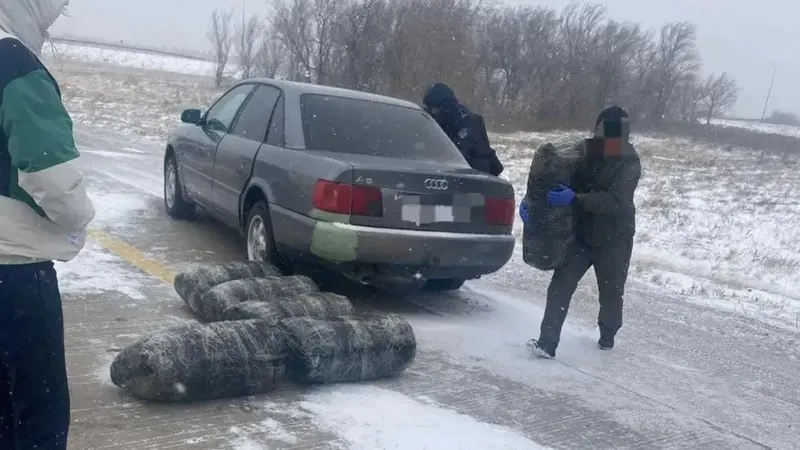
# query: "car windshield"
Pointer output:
{"type": "Point", "coordinates": [348, 125]}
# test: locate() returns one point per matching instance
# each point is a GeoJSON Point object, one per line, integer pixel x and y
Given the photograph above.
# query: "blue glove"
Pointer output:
{"type": "Point", "coordinates": [562, 197]}
{"type": "Point", "coordinates": [523, 211]}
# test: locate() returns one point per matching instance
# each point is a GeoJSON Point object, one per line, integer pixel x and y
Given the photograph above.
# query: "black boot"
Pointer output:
{"type": "Point", "coordinates": [606, 341]}
{"type": "Point", "coordinates": [541, 349]}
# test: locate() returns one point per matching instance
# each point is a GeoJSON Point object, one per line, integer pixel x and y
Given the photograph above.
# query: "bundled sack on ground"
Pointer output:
{"type": "Point", "coordinates": [192, 284]}
{"type": "Point", "coordinates": [317, 305]}
{"type": "Point", "coordinates": [346, 349]}
{"type": "Point", "coordinates": [200, 362]}
{"type": "Point", "coordinates": [549, 232]}
{"type": "Point", "coordinates": [213, 305]}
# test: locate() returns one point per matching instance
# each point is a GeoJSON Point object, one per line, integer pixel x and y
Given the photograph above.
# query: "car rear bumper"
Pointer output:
{"type": "Point", "coordinates": [392, 252]}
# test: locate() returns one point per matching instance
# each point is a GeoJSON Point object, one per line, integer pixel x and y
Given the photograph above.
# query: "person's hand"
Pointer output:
{"type": "Point", "coordinates": [523, 211]}
{"type": "Point", "coordinates": [564, 196]}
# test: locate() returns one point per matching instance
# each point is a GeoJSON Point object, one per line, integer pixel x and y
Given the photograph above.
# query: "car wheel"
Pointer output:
{"type": "Point", "coordinates": [443, 284]}
{"type": "Point", "coordinates": [174, 202]}
{"type": "Point", "coordinates": [260, 241]}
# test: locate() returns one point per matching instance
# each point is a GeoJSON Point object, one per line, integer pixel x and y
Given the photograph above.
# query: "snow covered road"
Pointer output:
{"type": "Point", "coordinates": [683, 375]}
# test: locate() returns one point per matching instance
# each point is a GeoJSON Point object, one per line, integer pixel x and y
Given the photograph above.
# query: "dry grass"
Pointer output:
{"type": "Point", "coordinates": [132, 101]}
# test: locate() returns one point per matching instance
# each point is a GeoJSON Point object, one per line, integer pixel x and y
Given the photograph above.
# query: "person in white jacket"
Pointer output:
{"type": "Point", "coordinates": [44, 214]}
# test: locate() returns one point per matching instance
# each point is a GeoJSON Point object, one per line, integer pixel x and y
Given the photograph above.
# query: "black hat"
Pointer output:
{"type": "Point", "coordinates": [615, 123]}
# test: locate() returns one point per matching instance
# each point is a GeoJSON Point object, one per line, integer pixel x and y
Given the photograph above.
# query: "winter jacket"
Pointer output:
{"type": "Point", "coordinates": [604, 187]}
{"type": "Point", "coordinates": [44, 207]}
{"type": "Point", "coordinates": [464, 128]}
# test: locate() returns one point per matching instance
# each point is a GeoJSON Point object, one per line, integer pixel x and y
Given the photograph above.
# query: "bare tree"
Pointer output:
{"type": "Point", "coordinates": [688, 96]}
{"type": "Point", "coordinates": [246, 39]}
{"type": "Point", "coordinates": [525, 66]}
{"type": "Point", "coordinates": [676, 57]}
{"type": "Point", "coordinates": [779, 117]}
{"type": "Point", "coordinates": [617, 45]}
{"type": "Point", "coordinates": [721, 94]}
{"type": "Point", "coordinates": [359, 38]}
{"type": "Point", "coordinates": [268, 58]}
{"type": "Point", "coordinates": [292, 25]}
{"type": "Point", "coordinates": [219, 34]}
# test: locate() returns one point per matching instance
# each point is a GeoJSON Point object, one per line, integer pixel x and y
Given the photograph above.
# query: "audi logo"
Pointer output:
{"type": "Point", "coordinates": [438, 185]}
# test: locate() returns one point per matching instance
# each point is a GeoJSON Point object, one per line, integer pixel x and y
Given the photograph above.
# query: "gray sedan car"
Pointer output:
{"type": "Point", "coordinates": [366, 185]}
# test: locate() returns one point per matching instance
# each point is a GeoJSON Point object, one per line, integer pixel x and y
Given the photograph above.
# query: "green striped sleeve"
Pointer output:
{"type": "Point", "coordinates": [38, 127]}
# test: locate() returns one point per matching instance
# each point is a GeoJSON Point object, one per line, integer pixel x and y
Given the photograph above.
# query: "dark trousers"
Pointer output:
{"type": "Point", "coordinates": [610, 262]}
{"type": "Point", "coordinates": [34, 394]}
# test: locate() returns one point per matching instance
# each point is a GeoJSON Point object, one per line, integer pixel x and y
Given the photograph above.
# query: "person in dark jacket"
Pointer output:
{"type": "Point", "coordinates": [463, 127]}
{"type": "Point", "coordinates": [602, 197]}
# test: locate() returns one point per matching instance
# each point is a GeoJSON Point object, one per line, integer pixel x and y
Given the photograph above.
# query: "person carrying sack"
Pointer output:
{"type": "Point", "coordinates": [601, 196]}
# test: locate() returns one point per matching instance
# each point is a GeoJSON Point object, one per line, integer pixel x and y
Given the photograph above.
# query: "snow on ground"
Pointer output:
{"type": "Point", "coordinates": [786, 130]}
{"type": "Point", "coordinates": [369, 417]}
{"type": "Point", "coordinates": [133, 59]}
{"type": "Point", "coordinates": [711, 222]}
{"type": "Point", "coordinates": [80, 276]}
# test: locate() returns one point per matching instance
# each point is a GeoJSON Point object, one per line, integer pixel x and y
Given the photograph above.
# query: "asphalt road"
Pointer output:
{"type": "Point", "coordinates": [683, 376]}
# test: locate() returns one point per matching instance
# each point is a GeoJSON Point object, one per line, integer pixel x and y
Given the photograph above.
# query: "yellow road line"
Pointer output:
{"type": "Point", "coordinates": [132, 255]}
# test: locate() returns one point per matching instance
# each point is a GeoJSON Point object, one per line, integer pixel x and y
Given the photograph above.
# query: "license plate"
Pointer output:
{"type": "Point", "coordinates": [413, 211]}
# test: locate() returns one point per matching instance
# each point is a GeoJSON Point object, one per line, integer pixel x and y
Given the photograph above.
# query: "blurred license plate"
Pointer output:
{"type": "Point", "coordinates": [414, 211]}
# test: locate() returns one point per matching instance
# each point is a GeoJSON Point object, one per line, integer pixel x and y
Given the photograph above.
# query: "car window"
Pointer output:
{"type": "Point", "coordinates": [253, 121]}
{"type": "Point", "coordinates": [221, 115]}
{"type": "Point", "coordinates": [348, 125]}
{"type": "Point", "coordinates": [277, 127]}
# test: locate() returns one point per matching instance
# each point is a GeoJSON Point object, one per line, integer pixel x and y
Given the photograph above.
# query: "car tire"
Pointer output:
{"type": "Point", "coordinates": [259, 238]}
{"type": "Point", "coordinates": [175, 203]}
{"type": "Point", "coordinates": [443, 284]}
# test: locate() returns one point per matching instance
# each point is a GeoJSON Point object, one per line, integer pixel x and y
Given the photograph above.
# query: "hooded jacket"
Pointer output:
{"type": "Point", "coordinates": [465, 129]}
{"type": "Point", "coordinates": [44, 207]}
{"type": "Point", "coordinates": [605, 185]}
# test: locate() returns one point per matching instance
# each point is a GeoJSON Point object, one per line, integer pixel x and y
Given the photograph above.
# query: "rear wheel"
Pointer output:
{"type": "Point", "coordinates": [174, 202]}
{"type": "Point", "coordinates": [260, 241]}
{"type": "Point", "coordinates": [443, 284]}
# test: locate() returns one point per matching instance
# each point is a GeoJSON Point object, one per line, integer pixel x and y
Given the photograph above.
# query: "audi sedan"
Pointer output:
{"type": "Point", "coordinates": [367, 185]}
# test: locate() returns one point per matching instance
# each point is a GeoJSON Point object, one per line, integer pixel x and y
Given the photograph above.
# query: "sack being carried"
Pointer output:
{"type": "Point", "coordinates": [550, 232]}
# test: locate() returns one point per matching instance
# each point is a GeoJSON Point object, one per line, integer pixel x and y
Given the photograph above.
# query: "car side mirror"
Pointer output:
{"type": "Point", "coordinates": [192, 116]}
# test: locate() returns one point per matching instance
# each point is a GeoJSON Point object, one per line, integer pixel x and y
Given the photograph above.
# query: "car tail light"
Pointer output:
{"type": "Point", "coordinates": [342, 198]}
{"type": "Point", "coordinates": [498, 211]}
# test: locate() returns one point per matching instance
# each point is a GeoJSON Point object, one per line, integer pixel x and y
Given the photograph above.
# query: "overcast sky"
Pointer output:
{"type": "Point", "coordinates": [739, 36]}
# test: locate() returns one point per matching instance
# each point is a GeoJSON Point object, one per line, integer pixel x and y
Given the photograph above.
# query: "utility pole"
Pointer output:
{"type": "Point", "coordinates": [769, 91]}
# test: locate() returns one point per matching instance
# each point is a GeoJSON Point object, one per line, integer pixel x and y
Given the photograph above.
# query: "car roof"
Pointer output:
{"type": "Point", "coordinates": [298, 89]}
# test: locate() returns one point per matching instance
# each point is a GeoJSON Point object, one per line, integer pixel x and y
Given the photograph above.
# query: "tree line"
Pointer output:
{"type": "Point", "coordinates": [522, 67]}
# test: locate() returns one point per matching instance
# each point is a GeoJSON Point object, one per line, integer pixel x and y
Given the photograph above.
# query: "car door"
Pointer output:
{"type": "Point", "coordinates": [233, 162]}
{"type": "Point", "coordinates": [196, 155]}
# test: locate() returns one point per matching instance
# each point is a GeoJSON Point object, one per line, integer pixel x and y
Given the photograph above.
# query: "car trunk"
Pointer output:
{"type": "Point", "coordinates": [423, 195]}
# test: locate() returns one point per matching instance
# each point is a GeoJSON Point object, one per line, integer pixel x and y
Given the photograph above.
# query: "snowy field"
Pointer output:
{"type": "Point", "coordinates": [786, 130]}
{"type": "Point", "coordinates": [714, 232]}
{"type": "Point", "coordinates": [138, 60]}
